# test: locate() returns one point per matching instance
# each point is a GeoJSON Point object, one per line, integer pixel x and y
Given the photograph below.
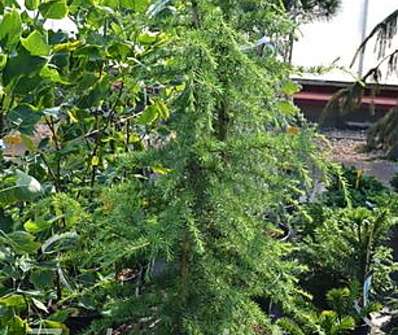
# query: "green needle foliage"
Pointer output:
{"type": "Point", "coordinates": [201, 209]}
{"type": "Point", "coordinates": [154, 170]}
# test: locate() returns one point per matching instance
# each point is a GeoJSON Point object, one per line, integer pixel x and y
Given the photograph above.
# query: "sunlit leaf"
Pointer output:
{"type": "Point", "coordinates": [149, 115]}
{"type": "Point", "coordinates": [52, 74]}
{"type": "Point", "coordinates": [35, 227]}
{"type": "Point", "coordinates": [36, 44]}
{"type": "Point", "coordinates": [54, 9]}
{"type": "Point", "coordinates": [148, 37]}
{"type": "Point", "coordinates": [161, 170]}
{"type": "Point", "coordinates": [14, 301]}
{"type": "Point", "coordinates": [290, 88]}
{"type": "Point", "coordinates": [10, 28]}
{"type": "Point", "coordinates": [95, 161]}
{"type": "Point", "coordinates": [138, 5]}
{"type": "Point", "coordinates": [32, 4]}
{"type": "Point", "coordinates": [68, 46]}
{"type": "Point", "coordinates": [287, 107]}
{"type": "Point", "coordinates": [27, 188]}
{"type": "Point", "coordinates": [3, 61]}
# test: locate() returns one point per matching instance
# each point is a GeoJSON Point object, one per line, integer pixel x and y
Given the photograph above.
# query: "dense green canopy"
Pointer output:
{"type": "Point", "coordinates": [156, 179]}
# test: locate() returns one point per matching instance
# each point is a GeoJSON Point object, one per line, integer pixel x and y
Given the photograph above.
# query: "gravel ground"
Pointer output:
{"type": "Point", "coordinates": [348, 147]}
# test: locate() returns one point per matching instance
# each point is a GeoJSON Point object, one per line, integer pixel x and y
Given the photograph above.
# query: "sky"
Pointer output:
{"type": "Point", "coordinates": [65, 24]}
{"type": "Point", "coordinates": [322, 42]}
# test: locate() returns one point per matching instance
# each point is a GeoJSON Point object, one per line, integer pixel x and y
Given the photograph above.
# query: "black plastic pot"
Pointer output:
{"type": "Point", "coordinates": [76, 324]}
{"type": "Point", "coordinates": [361, 330]}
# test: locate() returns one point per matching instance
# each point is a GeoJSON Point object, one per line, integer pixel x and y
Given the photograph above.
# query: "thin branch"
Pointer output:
{"type": "Point", "coordinates": [50, 171]}
{"type": "Point", "coordinates": [51, 125]}
{"type": "Point", "coordinates": [195, 14]}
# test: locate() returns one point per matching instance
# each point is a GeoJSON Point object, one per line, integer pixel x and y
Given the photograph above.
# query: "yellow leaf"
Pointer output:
{"type": "Point", "coordinates": [95, 161]}
{"type": "Point", "coordinates": [69, 46]}
{"type": "Point", "coordinates": [72, 117]}
{"type": "Point", "coordinates": [14, 138]}
{"type": "Point", "coordinates": [293, 130]}
{"type": "Point", "coordinates": [160, 170]}
{"type": "Point", "coordinates": [28, 141]}
{"type": "Point", "coordinates": [134, 138]}
{"type": "Point", "coordinates": [360, 173]}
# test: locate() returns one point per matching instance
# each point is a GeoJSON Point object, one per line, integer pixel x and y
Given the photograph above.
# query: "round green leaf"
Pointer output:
{"type": "Point", "coordinates": [35, 227]}
{"type": "Point", "coordinates": [10, 28]}
{"type": "Point", "coordinates": [42, 278]}
{"type": "Point", "coordinates": [25, 117]}
{"type": "Point", "coordinates": [23, 242]}
{"type": "Point", "coordinates": [14, 301]}
{"type": "Point", "coordinates": [149, 115]}
{"type": "Point", "coordinates": [148, 37]}
{"type": "Point", "coordinates": [54, 9]}
{"type": "Point", "coordinates": [36, 44]}
{"type": "Point", "coordinates": [22, 64]}
{"type": "Point", "coordinates": [27, 188]}
{"type": "Point", "coordinates": [30, 184]}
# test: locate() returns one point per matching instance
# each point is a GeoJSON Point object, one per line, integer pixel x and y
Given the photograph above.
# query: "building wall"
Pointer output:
{"type": "Point", "coordinates": [322, 42]}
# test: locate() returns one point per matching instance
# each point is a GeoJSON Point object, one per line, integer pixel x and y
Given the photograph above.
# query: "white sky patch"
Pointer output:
{"type": "Point", "coordinates": [66, 24]}
{"type": "Point", "coordinates": [322, 42]}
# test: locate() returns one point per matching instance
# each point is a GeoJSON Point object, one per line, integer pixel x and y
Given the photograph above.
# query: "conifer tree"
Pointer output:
{"type": "Point", "coordinates": [200, 224]}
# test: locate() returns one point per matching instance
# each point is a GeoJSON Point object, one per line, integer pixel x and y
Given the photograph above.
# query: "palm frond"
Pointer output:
{"type": "Point", "coordinates": [385, 32]}
{"type": "Point", "coordinates": [349, 98]}
{"type": "Point", "coordinates": [344, 101]}
{"type": "Point", "coordinates": [384, 134]}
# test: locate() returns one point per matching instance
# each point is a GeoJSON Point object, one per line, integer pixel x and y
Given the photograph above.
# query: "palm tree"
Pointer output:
{"type": "Point", "coordinates": [383, 134]}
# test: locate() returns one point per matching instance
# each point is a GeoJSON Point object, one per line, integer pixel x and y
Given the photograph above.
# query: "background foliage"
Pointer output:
{"type": "Point", "coordinates": [156, 177]}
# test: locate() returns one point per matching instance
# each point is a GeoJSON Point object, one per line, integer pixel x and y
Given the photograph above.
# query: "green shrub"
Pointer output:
{"type": "Point", "coordinates": [362, 189]}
